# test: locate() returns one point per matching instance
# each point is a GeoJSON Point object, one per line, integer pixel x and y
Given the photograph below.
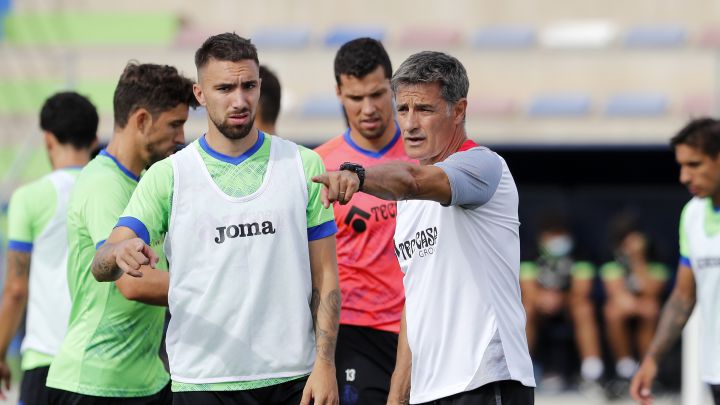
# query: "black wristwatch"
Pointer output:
{"type": "Point", "coordinates": [357, 169]}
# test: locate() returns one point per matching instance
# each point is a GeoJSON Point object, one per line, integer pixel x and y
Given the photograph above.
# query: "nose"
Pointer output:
{"type": "Point", "coordinates": [409, 122]}
{"type": "Point", "coordinates": [238, 101]}
{"type": "Point", "coordinates": [684, 175]}
{"type": "Point", "coordinates": [368, 108]}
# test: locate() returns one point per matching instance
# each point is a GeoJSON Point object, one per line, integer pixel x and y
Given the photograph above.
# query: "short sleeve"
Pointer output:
{"type": "Point", "coordinates": [474, 176]}
{"type": "Point", "coordinates": [103, 208]}
{"type": "Point", "coordinates": [148, 211]}
{"type": "Point", "coordinates": [20, 229]}
{"type": "Point", "coordinates": [320, 220]}
{"type": "Point", "coordinates": [583, 270]}
{"type": "Point", "coordinates": [684, 243]}
{"type": "Point", "coordinates": [611, 271]}
{"type": "Point", "coordinates": [528, 270]}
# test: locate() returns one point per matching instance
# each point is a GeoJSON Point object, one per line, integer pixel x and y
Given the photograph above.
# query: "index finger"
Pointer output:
{"type": "Point", "coordinates": [321, 178]}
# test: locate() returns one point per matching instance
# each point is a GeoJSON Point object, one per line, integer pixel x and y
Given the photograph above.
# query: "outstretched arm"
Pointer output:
{"type": "Point", "coordinates": [389, 181]}
{"type": "Point", "coordinates": [674, 316]}
{"type": "Point", "coordinates": [130, 262]}
{"type": "Point", "coordinates": [14, 299]}
{"type": "Point", "coordinates": [325, 302]}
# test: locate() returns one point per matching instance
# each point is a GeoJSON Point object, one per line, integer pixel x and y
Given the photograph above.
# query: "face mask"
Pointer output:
{"type": "Point", "coordinates": [558, 246]}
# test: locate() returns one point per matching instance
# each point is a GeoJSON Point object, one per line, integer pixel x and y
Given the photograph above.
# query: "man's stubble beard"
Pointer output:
{"type": "Point", "coordinates": [233, 132]}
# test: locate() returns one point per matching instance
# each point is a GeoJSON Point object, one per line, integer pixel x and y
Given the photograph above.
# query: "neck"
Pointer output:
{"type": "Point", "coordinates": [68, 156]}
{"type": "Point", "coordinates": [127, 152]}
{"type": "Point", "coordinates": [458, 138]}
{"type": "Point", "coordinates": [715, 201]}
{"type": "Point", "coordinates": [230, 147]}
{"type": "Point", "coordinates": [374, 144]}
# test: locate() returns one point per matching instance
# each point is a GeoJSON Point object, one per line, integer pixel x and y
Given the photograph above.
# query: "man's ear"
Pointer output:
{"type": "Point", "coordinates": [460, 111]}
{"type": "Point", "coordinates": [199, 95]}
{"type": "Point", "coordinates": [50, 140]}
{"type": "Point", "coordinates": [142, 119]}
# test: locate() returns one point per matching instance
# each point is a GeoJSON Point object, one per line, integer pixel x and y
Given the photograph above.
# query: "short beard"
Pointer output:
{"type": "Point", "coordinates": [234, 132]}
{"type": "Point", "coordinates": [373, 135]}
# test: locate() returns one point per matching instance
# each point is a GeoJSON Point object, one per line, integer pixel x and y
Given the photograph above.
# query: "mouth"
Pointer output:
{"type": "Point", "coordinates": [370, 123]}
{"type": "Point", "coordinates": [414, 140]}
{"type": "Point", "coordinates": [239, 119]}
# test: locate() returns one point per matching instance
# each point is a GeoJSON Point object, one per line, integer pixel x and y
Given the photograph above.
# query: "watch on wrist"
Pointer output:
{"type": "Point", "coordinates": [357, 169]}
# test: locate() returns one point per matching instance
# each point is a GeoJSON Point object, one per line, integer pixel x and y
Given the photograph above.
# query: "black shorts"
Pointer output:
{"type": "Point", "coordinates": [715, 389]}
{"type": "Point", "coordinates": [61, 397]}
{"type": "Point", "coordinates": [506, 392]}
{"type": "Point", "coordinates": [287, 393]}
{"type": "Point", "coordinates": [32, 388]}
{"type": "Point", "coordinates": [364, 361]}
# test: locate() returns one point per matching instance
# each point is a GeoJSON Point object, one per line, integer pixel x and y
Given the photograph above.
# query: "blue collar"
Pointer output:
{"type": "Point", "coordinates": [232, 159]}
{"type": "Point", "coordinates": [370, 153]}
{"type": "Point", "coordinates": [122, 168]}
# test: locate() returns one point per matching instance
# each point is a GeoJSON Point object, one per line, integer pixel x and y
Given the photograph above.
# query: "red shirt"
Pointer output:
{"type": "Point", "coordinates": [370, 278]}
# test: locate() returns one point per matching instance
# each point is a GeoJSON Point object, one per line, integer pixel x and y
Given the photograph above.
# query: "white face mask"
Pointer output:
{"type": "Point", "coordinates": [558, 245]}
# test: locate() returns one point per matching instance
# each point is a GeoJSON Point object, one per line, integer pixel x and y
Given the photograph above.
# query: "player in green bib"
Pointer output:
{"type": "Point", "coordinates": [254, 292]}
{"type": "Point", "coordinates": [110, 351]}
{"type": "Point", "coordinates": [37, 249]}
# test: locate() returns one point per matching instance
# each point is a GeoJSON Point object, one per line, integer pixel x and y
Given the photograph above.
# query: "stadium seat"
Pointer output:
{"type": "Point", "coordinates": [700, 105]}
{"type": "Point", "coordinates": [560, 105]}
{"type": "Point", "coordinates": [321, 106]}
{"type": "Point", "coordinates": [491, 106]}
{"type": "Point", "coordinates": [338, 36]}
{"type": "Point", "coordinates": [636, 105]}
{"type": "Point", "coordinates": [281, 38]}
{"type": "Point", "coordinates": [429, 38]}
{"type": "Point", "coordinates": [578, 35]}
{"type": "Point", "coordinates": [4, 10]}
{"type": "Point", "coordinates": [504, 37]}
{"type": "Point", "coordinates": [26, 96]}
{"type": "Point", "coordinates": [68, 28]}
{"type": "Point", "coordinates": [655, 36]}
{"type": "Point", "coordinates": [710, 37]}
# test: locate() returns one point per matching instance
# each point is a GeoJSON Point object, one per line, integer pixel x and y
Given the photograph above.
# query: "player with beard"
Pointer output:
{"type": "Point", "coordinates": [250, 247]}
{"type": "Point", "coordinates": [110, 352]}
{"type": "Point", "coordinates": [370, 276]}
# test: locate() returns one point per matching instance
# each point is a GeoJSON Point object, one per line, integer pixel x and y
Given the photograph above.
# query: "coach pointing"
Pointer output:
{"type": "Point", "coordinates": [462, 339]}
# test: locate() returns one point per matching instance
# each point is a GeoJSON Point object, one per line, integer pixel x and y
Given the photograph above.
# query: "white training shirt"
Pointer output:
{"type": "Point", "coordinates": [700, 244]}
{"type": "Point", "coordinates": [465, 320]}
{"type": "Point", "coordinates": [48, 307]}
{"type": "Point", "coordinates": [240, 280]}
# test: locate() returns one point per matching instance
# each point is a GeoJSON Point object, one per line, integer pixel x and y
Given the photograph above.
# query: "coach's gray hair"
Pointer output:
{"type": "Point", "coordinates": [434, 67]}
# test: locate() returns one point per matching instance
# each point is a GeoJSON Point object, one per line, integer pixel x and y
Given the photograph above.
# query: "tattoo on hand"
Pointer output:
{"type": "Point", "coordinates": [314, 305]}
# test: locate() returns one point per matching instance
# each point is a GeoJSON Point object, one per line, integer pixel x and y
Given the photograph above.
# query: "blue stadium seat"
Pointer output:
{"type": "Point", "coordinates": [284, 38]}
{"type": "Point", "coordinates": [504, 37]}
{"type": "Point", "coordinates": [636, 105]}
{"type": "Point", "coordinates": [338, 36]}
{"type": "Point", "coordinates": [321, 106]}
{"type": "Point", "coordinates": [560, 105]}
{"type": "Point", "coordinates": [4, 10]}
{"type": "Point", "coordinates": [655, 36]}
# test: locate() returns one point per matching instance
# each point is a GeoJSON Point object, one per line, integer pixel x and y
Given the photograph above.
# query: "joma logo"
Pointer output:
{"type": "Point", "coordinates": [243, 230]}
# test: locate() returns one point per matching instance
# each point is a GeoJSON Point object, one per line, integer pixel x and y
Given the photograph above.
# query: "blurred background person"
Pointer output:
{"type": "Point", "coordinates": [634, 283]}
{"type": "Point", "coordinates": [268, 108]}
{"type": "Point", "coordinates": [556, 285]}
{"type": "Point", "coordinates": [37, 249]}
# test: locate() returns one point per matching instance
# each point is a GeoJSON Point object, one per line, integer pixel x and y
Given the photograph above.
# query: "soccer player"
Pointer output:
{"type": "Point", "coordinates": [462, 337]}
{"type": "Point", "coordinates": [110, 352]}
{"type": "Point", "coordinates": [268, 108]}
{"type": "Point", "coordinates": [37, 249]}
{"type": "Point", "coordinates": [251, 250]}
{"type": "Point", "coordinates": [697, 151]}
{"type": "Point", "coordinates": [556, 283]}
{"type": "Point", "coordinates": [370, 276]}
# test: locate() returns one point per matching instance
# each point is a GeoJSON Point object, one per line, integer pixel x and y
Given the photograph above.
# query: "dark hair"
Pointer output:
{"type": "Point", "coordinates": [153, 87]}
{"type": "Point", "coordinates": [71, 118]}
{"type": "Point", "coordinates": [225, 47]}
{"type": "Point", "coordinates": [552, 221]}
{"type": "Point", "coordinates": [700, 133]}
{"type": "Point", "coordinates": [434, 67]}
{"type": "Point", "coordinates": [270, 96]}
{"type": "Point", "coordinates": [360, 57]}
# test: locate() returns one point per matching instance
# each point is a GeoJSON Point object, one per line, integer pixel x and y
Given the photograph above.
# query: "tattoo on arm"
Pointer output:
{"type": "Point", "coordinates": [326, 315]}
{"type": "Point", "coordinates": [20, 262]}
{"type": "Point", "coordinates": [674, 317]}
